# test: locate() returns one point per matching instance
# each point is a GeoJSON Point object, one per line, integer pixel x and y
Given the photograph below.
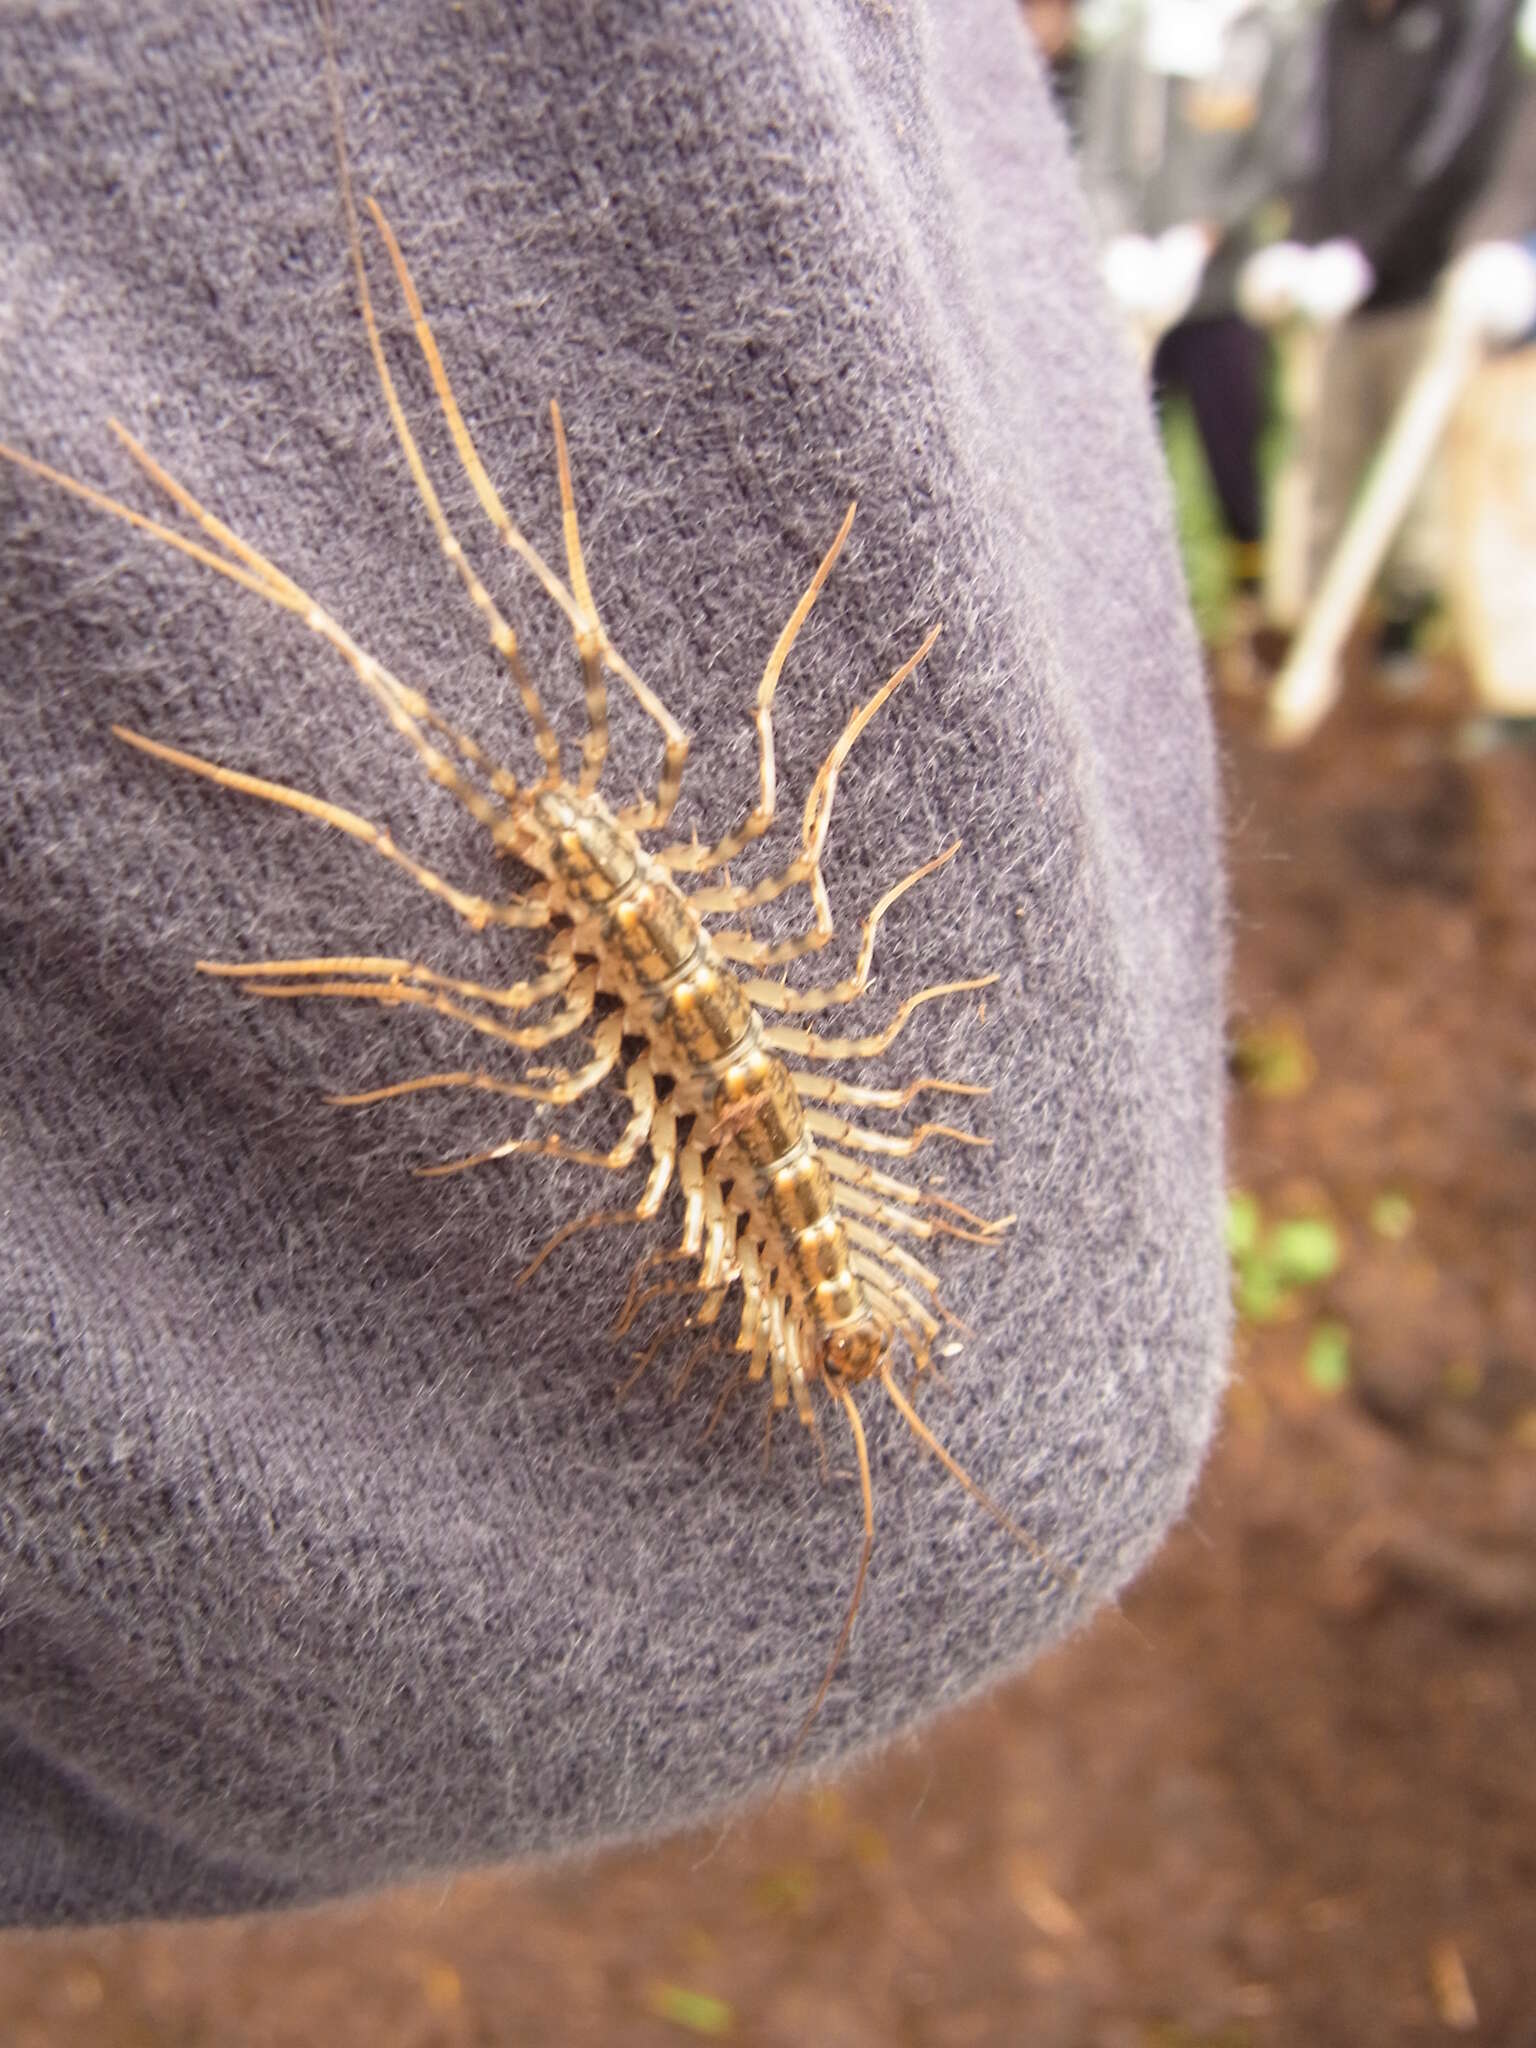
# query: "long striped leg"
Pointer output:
{"type": "Point", "coordinates": [700, 1195]}
{"type": "Point", "coordinates": [687, 858]}
{"type": "Point", "coordinates": [891, 1144]}
{"type": "Point", "coordinates": [810, 1045]}
{"type": "Point", "coordinates": [559, 1094]}
{"type": "Point", "coordinates": [578, 606]}
{"type": "Point", "coordinates": [853, 1095]}
{"type": "Point", "coordinates": [406, 709]}
{"type": "Point", "coordinates": [663, 1142]}
{"type": "Point", "coordinates": [644, 1359]}
{"type": "Point", "coordinates": [639, 1086]}
{"type": "Point", "coordinates": [702, 1317]}
{"type": "Point", "coordinates": [806, 867]}
{"type": "Point", "coordinates": [706, 1347]}
{"type": "Point", "coordinates": [884, 1254]}
{"type": "Point", "coordinates": [897, 1299]}
{"type": "Point", "coordinates": [525, 912]}
{"type": "Point", "coordinates": [733, 1385]}
{"type": "Point", "coordinates": [517, 995]}
{"type": "Point", "coordinates": [391, 994]}
{"type": "Point", "coordinates": [890, 1207]}
{"type": "Point", "coordinates": [777, 995]}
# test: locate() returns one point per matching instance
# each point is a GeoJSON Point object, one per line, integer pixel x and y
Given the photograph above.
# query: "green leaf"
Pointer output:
{"type": "Point", "coordinates": [1304, 1250]}
{"type": "Point", "coordinates": [1260, 1294]}
{"type": "Point", "coordinates": [695, 2011]}
{"type": "Point", "coordinates": [1243, 1221]}
{"type": "Point", "coordinates": [1326, 1364]}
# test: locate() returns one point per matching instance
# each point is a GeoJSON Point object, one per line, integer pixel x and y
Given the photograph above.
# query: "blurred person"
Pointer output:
{"type": "Point", "coordinates": [1054, 26]}
{"type": "Point", "coordinates": [1414, 98]}
{"type": "Point", "coordinates": [1191, 111]}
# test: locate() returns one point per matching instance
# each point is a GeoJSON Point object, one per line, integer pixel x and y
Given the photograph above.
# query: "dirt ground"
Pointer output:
{"type": "Point", "coordinates": [1299, 1804]}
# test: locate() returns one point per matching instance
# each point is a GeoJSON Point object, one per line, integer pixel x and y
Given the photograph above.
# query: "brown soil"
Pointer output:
{"type": "Point", "coordinates": [1302, 1807]}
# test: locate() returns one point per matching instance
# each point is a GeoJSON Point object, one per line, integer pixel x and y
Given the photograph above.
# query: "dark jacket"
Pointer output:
{"type": "Point", "coordinates": [1412, 112]}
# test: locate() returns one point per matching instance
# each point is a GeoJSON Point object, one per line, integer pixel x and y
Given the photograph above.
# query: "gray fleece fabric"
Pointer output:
{"type": "Point", "coordinates": [328, 1557]}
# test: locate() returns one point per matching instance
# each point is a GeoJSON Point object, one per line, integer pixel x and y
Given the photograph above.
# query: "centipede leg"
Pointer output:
{"type": "Point", "coordinates": [407, 709]}
{"type": "Point", "coordinates": [602, 1219]}
{"type": "Point", "coordinates": [639, 1085]}
{"type": "Point", "coordinates": [663, 1143]}
{"type": "Point", "coordinates": [853, 1095]}
{"type": "Point", "coordinates": [524, 913]}
{"type": "Point", "coordinates": [518, 995]}
{"type": "Point", "coordinates": [891, 1254]}
{"type": "Point", "coordinates": [888, 1144]}
{"type": "Point", "coordinates": [810, 1045]}
{"type": "Point", "coordinates": [859, 1174]}
{"type": "Point", "coordinates": [690, 1365]}
{"type": "Point", "coordinates": [646, 1358]}
{"type": "Point", "coordinates": [899, 1299]}
{"type": "Point", "coordinates": [687, 858]}
{"type": "Point", "coordinates": [850, 1199]}
{"type": "Point", "coordinates": [778, 995]}
{"type": "Point", "coordinates": [733, 1385]}
{"type": "Point", "coordinates": [806, 867]}
{"type": "Point", "coordinates": [391, 994]}
{"type": "Point", "coordinates": [558, 1094]}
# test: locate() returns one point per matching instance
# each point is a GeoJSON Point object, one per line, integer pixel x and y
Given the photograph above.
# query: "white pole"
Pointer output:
{"type": "Point", "coordinates": [1300, 344]}
{"type": "Point", "coordinates": [1308, 686]}
{"type": "Point", "coordinates": [1272, 293]}
{"type": "Point", "coordinates": [1488, 296]}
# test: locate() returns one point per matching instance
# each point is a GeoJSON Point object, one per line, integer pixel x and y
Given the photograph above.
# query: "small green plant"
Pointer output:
{"type": "Point", "coordinates": [696, 2012]}
{"type": "Point", "coordinates": [1271, 1264]}
{"type": "Point", "coordinates": [1326, 1363]}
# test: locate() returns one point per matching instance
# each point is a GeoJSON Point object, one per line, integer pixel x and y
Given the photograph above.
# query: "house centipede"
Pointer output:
{"type": "Point", "coordinates": [784, 1208]}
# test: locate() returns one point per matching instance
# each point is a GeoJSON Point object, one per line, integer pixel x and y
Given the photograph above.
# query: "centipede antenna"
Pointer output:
{"type": "Point", "coordinates": [584, 620]}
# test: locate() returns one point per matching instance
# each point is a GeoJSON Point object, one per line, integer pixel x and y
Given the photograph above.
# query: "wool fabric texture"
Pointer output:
{"type": "Point", "coordinates": [328, 1557]}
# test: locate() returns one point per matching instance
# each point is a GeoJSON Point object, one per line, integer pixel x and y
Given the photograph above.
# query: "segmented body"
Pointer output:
{"type": "Point", "coordinates": [784, 1244]}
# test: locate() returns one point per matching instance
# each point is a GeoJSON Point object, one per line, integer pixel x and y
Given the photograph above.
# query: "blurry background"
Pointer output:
{"type": "Point", "coordinates": [1288, 1794]}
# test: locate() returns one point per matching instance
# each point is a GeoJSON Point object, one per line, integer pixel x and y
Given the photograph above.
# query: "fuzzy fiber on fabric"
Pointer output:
{"type": "Point", "coordinates": [326, 1555]}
